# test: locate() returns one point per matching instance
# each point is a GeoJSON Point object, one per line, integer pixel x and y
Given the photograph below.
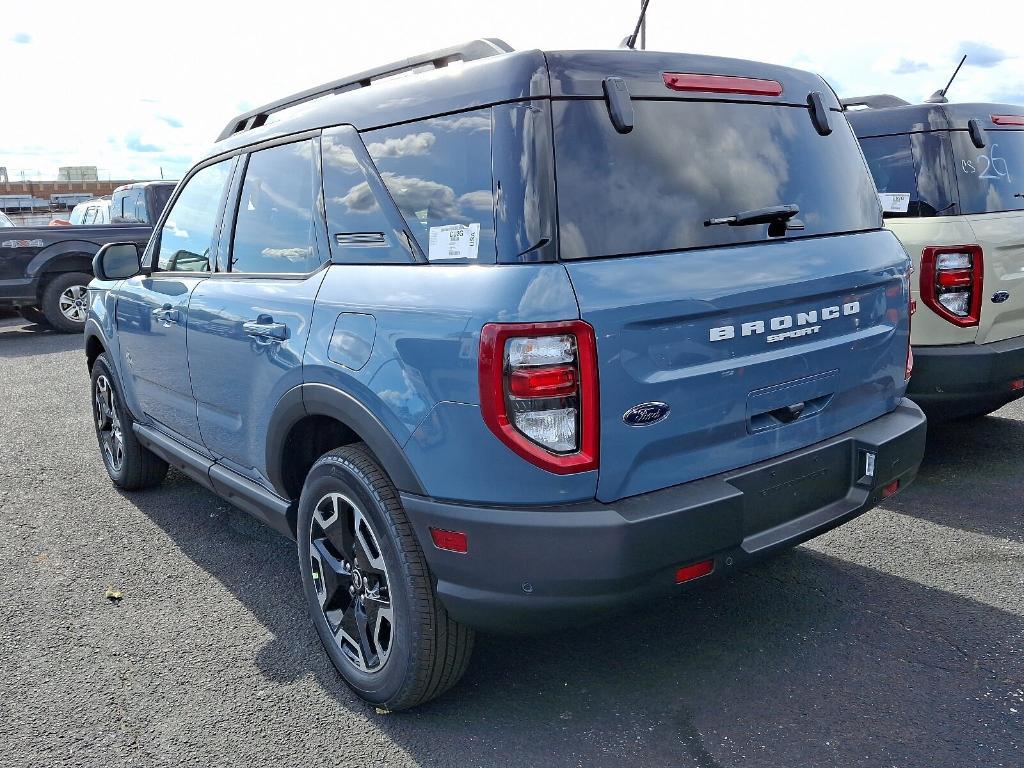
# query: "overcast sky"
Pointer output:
{"type": "Point", "coordinates": [150, 87]}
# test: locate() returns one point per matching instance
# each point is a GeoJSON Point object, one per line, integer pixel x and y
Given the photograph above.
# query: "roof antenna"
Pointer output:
{"type": "Point", "coordinates": [640, 31]}
{"type": "Point", "coordinates": [939, 97]}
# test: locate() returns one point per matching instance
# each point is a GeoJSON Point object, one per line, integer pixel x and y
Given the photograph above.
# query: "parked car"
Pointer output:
{"type": "Point", "coordinates": [44, 270]}
{"type": "Point", "coordinates": [140, 203]}
{"type": "Point", "coordinates": [364, 323]}
{"type": "Point", "coordinates": [951, 181]}
{"type": "Point", "coordinates": [96, 211]}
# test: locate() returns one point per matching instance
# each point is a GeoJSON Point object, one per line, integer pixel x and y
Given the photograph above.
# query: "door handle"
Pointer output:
{"type": "Point", "coordinates": [264, 329]}
{"type": "Point", "coordinates": [167, 315]}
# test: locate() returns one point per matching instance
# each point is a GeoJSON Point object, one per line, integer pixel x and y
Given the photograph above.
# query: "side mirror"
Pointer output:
{"type": "Point", "coordinates": [116, 261]}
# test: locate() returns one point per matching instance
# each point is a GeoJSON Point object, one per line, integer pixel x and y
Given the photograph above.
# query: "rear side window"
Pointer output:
{"type": "Point", "coordinates": [438, 172]}
{"type": "Point", "coordinates": [686, 162]}
{"type": "Point", "coordinates": [911, 174]}
{"type": "Point", "coordinates": [274, 228]}
{"type": "Point", "coordinates": [990, 179]}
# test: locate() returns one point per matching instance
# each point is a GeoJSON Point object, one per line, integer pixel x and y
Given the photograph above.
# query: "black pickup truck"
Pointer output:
{"type": "Point", "coordinates": [44, 271]}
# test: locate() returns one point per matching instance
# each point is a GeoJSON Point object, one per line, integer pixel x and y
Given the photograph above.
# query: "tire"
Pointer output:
{"type": "Point", "coordinates": [130, 465]}
{"type": "Point", "coordinates": [64, 299]}
{"type": "Point", "coordinates": [34, 315]}
{"type": "Point", "coordinates": [411, 650]}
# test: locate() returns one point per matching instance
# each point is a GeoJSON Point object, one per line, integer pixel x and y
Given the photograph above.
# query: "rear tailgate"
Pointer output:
{"type": "Point", "coordinates": [655, 318]}
{"type": "Point", "coordinates": [759, 341]}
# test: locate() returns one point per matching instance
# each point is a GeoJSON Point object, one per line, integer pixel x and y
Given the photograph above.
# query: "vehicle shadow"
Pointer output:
{"type": "Point", "coordinates": [803, 660]}
{"type": "Point", "coordinates": [20, 338]}
{"type": "Point", "coordinates": [972, 476]}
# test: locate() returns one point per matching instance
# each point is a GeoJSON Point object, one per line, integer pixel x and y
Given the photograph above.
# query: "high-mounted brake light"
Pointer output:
{"type": "Point", "coordinates": [749, 86]}
{"type": "Point", "coordinates": [951, 282]}
{"type": "Point", "coordinates": [1008, 119]}
{"type": "Point", "coordinates": [539, 393]}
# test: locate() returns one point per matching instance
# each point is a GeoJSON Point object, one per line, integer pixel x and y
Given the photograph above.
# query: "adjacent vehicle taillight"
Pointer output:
{"type": "Point", "coordinates": [539, 393]}
{"type": "Point", "coordinates": [911, 309]}
{"type": "Point", "coordinates": [951, 282]}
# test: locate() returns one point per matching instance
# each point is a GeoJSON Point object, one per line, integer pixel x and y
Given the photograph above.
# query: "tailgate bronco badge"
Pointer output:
{"type": "Point", "coordinates": [645, 414]}
{"type": "Point", "coordinates": [787, 326]}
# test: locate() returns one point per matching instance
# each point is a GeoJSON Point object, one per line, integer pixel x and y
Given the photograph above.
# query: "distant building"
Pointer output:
{"type": "Point", "coordinates": [78, 173]}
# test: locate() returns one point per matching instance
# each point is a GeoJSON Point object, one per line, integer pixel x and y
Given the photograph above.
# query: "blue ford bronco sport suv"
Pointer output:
{"type": "Point", "coordinates": [509, 344]}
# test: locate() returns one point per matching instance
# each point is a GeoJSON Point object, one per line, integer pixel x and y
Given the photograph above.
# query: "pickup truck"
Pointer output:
{"type": "Point", "coordinates": [44, 271]}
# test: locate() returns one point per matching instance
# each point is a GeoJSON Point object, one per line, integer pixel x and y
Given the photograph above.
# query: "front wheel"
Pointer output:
{"type": "Point", "coordinates": [368, 587]}
{"type": "Point", "coordinates": [129, 465]}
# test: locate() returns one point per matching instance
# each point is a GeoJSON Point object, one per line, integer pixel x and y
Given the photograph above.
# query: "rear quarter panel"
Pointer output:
{"type": "Point", "coordinates": [415, 367]}
{"type": "Point", "coordinates": [928, 328]}
{"type": "Point", "coordinates": [1001, 237]}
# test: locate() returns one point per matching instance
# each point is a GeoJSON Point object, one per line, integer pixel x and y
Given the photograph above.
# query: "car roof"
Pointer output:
{"type": "Point", "coordinates": [499, 78]}
{"type": "Point", "coordinates": [141, 184]}
{"type": "Point", "coordinates": [913, 118]}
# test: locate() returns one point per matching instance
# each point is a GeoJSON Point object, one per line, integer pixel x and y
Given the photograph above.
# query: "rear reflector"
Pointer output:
{"type": "Point", "coordinates": [890, 489]}
{"type": "Point", "coordinates": [685, 81]}
{"type": "Point", "coordinates": [694, 571]}
{"type": "Point", "coordinates": [451, 541]}
{"type": "Point", "coordinates": [1016, 385]}
{"type": "Point", "coordinates": [1008, 119]}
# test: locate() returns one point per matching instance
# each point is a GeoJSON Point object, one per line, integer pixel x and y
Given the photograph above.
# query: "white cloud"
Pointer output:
{"type": "Point", "coordinates": [198, 67]}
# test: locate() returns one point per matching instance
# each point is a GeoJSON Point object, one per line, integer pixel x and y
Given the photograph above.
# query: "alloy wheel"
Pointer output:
{"type": "Point", "coordinates": [73, 303]}
{"type": "Point", "coordinates": [351, 582]}
{"type": "Point", "coordinates": [108, 425]}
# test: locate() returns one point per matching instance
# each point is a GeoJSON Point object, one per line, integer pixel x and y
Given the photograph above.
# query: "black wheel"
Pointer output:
{"type": "Point", "coordinates": [65, 301]}
{"type": "Point", "coordinates": [33, 315]}
{"type": "Point", "coordinates": [369, 591]}
{"type": "Point", "coordinates": [129, 465]}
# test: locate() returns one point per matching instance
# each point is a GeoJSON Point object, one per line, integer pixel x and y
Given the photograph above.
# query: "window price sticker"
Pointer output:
{"type": "Point", "coordinates": [454, 241]}
{"type": "Point", "coordinates": [894, 202]}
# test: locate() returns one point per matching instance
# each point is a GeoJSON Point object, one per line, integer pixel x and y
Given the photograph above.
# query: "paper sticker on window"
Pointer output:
{"type": "Point", "coordinates": [894, 202]}
{"type": "Point", "coordinates": [454, 241]}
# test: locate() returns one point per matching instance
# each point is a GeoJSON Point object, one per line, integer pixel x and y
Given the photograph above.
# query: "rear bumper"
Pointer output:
{"type": "Point", "coordinates": [962, 379]}
{"type": "Point", "coordinates": [537, 568]}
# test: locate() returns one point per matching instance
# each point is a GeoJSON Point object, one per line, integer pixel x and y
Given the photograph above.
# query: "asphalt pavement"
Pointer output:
{"type": "Point", "coordinates": [896, 640]}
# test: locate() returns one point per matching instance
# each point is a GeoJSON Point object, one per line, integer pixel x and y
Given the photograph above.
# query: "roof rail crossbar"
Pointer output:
{"type": "Point", "coordinates": [876, 101]}
{"type": "Point", "coordinates": [471, 51]}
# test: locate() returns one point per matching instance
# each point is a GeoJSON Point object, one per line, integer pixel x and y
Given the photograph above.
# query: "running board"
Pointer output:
{"type": "Point", "coordinates": [265, 506]}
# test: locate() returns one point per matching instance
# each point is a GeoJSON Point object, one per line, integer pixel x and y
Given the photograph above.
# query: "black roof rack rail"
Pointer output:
{"type": "Point", "coordinates": [876, 101]}
{"type": "Point", "coordinates": [471, 51]}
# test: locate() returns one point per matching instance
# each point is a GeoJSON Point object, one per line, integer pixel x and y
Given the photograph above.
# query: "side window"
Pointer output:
{"type": "Point", "coordinates": [140, 208]}
{"type": "Point", "coordinates": [274, 227]}
{"type": "Point", "coordinates": [439, 173]}
{"type": "Point", "coordinates": [360, 231]}
{"type": "Point", "coordinates": [90, 215]}
{"type": "Point", "coordinates": [188, 234]}
{"type": "Point", "coordinates": [891, 161]}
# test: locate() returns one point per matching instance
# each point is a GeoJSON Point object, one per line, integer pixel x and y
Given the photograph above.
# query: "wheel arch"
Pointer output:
{"type": "Point", "coordinates": [68, 256]}
{"type": "Point", "coordinates": [316, 418]}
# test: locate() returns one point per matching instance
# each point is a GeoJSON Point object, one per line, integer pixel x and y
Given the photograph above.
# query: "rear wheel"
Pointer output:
{"type": "Point", "coordinates": [64, 302]}
{"type": "Point", "coordinates": [33, 315]}
{"type": "Point", "coordinates": [368, 587]}
{"type": "Point", "coordinates": [129, 464]}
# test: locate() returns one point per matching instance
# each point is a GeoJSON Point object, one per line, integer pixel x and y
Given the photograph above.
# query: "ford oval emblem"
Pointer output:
{"type": "Point", "coordinates": [1000, 296]}
{"type": "Point", "coordinates": [645, 414]}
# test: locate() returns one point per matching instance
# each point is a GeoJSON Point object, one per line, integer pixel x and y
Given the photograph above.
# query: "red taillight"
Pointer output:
{"type": "Point", "coordinates": [539, 393]}
{"type": "Point", "coordinates": [890, 489]}
{"type": "Point", "coordinates": [951, 282]}
{"type": "Point", "coordinates": [450, 541]}
{"type": "Point", "coordinates": [749, 86]}
{"type": "Point", "coordinates": [553, 381]}
{"type": "Point", "coordinates": [1008, 119]}
{"type": "Point", "coordinates": [911, 309]}
{"type": "Point", "coordinates": [694, 571]}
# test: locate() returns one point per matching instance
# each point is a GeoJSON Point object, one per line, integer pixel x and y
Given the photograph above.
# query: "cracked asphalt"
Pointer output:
{"type": "Point", "coordinates": [896, 640]}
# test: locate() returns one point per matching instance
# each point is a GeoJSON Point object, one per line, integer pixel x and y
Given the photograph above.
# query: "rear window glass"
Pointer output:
{"type": "Point", "coordinates": [686, 162]}
{"type": "Point", "coordinates": [911, 174]}
{"type": "Point", "coordinates": [439, 173]}
{"type": "Point", "coordinates": [990, 179]}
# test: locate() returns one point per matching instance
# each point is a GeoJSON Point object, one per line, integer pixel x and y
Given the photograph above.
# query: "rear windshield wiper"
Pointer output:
{"type": "Point", "coordinates": [776, 216]}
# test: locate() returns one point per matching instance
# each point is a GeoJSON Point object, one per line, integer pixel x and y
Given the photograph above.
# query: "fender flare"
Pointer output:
{"type": "Point", "coordinates": [323, 400]}
{"type": "Point", "coordinates": [71, 248]}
